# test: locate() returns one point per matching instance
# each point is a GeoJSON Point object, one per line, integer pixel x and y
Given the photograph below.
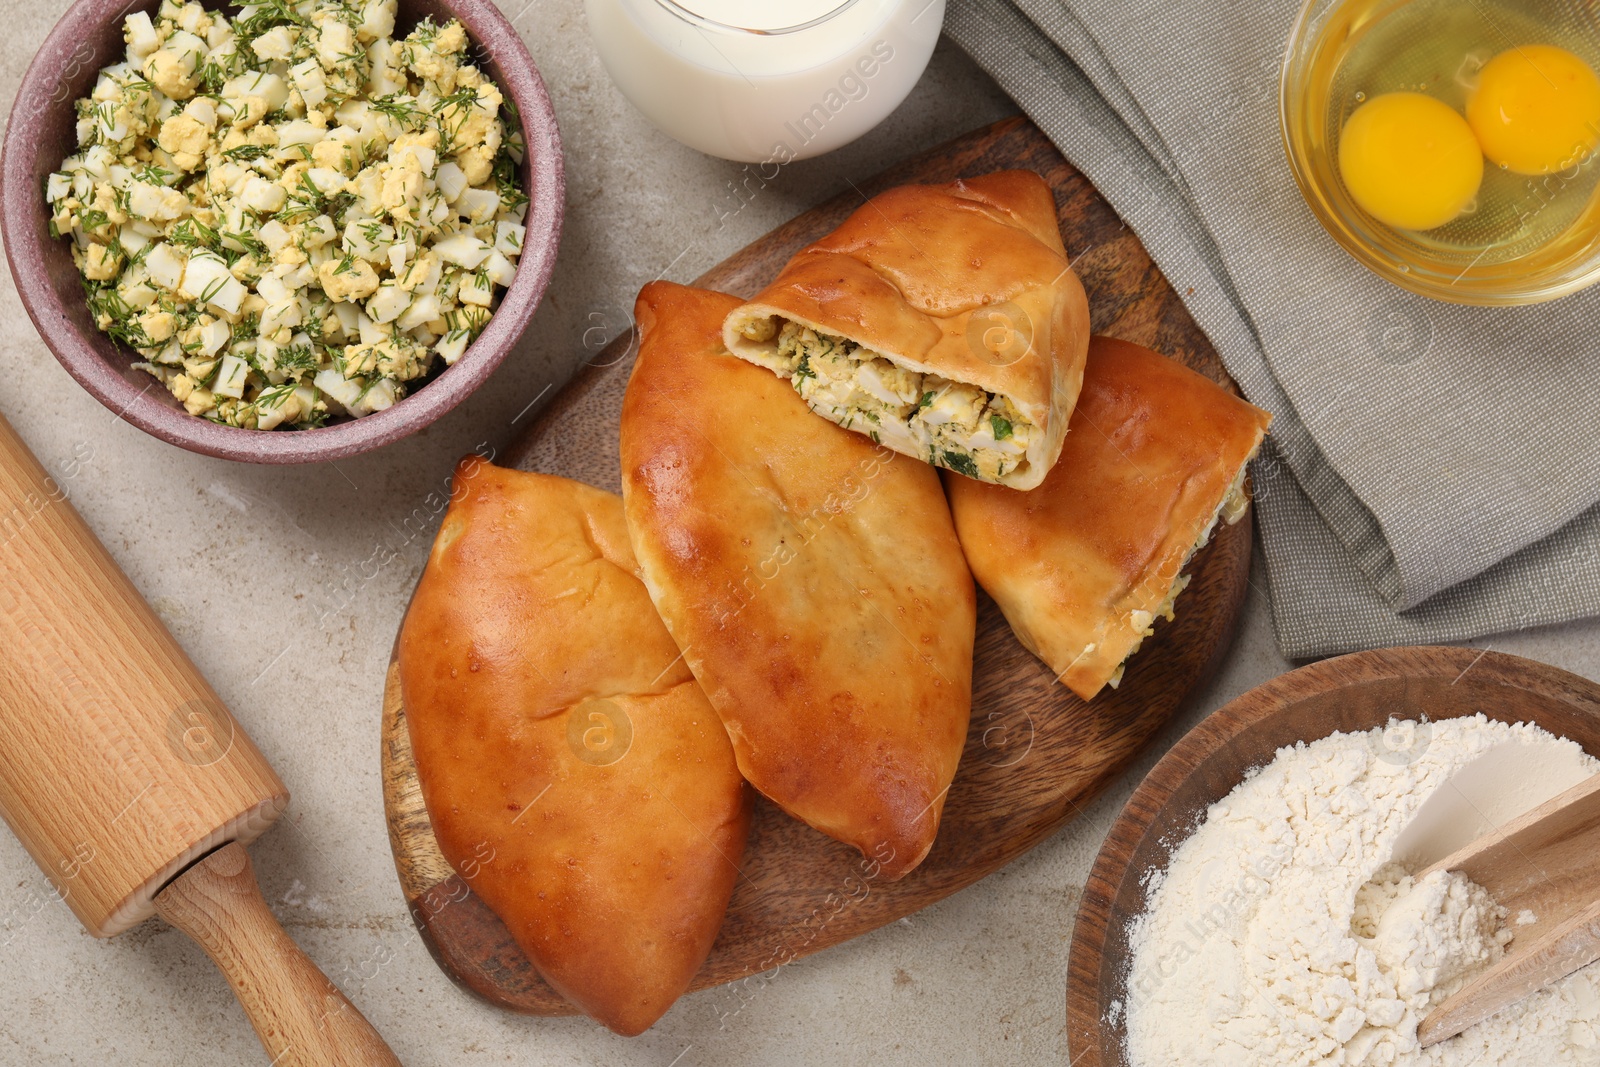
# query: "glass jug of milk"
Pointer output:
{"type": "Point", "coordinates": [765, 81]}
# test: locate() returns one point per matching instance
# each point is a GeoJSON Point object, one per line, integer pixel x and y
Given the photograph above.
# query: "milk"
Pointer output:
{"type": "Point", "coordinates": [765, 82]}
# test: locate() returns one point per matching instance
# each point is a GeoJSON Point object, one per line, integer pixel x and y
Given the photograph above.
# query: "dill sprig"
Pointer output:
{"type": "Point", "coordinates": [305, 201]}
{"type": "Point", "coordinates": [400, 107]}
{"type": "Point", "coordinates": [259, 16]}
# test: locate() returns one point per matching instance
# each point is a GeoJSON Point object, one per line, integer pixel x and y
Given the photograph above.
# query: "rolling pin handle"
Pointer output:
{"type": "Point", "coordinates": [300, 1016]}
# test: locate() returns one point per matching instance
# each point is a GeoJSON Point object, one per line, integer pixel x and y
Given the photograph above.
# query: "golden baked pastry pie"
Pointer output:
{"type": "Point", "coordinates": [1083, 565]}
{"type": "Point", "coordinates": [574, 773]}
{"type": "Point", "coordinates": [812, 579]}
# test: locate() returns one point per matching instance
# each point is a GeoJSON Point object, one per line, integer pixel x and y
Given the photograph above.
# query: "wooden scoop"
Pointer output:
{"type": "Point", "coordinates": [131, 784]}
{"type": "Point", "coordinates": [1547, 863]}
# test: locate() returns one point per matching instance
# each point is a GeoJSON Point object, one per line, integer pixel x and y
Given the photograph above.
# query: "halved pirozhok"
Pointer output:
{"type": "Point", "coordinates": [942, 321]}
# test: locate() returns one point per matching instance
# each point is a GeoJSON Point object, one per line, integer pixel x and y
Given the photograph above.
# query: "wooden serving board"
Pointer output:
{"type": "Point", "coordinates": [1035, 755]}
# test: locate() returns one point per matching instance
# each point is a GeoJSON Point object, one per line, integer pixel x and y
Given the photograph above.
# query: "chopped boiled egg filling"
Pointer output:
{"type": "Point", "coordinates": [291, 214]}
{"type": "Point", "coordinates": [952, 424]}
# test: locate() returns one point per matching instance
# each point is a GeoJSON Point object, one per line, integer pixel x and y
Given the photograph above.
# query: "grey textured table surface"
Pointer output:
{"type": "Point", "coordinates": [286, 586]}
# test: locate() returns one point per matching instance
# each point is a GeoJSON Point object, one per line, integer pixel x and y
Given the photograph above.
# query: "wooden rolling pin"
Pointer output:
{"type": "Point", "coordinates": [130, 783]}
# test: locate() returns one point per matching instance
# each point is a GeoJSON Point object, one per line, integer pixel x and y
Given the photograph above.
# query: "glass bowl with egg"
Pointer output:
{"type": "Point", "coordinates": [1450, 145]}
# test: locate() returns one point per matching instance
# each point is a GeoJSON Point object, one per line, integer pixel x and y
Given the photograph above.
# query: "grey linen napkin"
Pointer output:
{"type": "Point", "coordinates": [1434, 471]}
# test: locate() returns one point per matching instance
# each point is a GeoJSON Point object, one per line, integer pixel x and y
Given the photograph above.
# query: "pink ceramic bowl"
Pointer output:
{"type": "Point", "coordinates": [42, 133]}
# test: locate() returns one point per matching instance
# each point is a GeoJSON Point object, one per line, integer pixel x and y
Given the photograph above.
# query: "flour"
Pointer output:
{"type": "Point", "coordinates": [1284, 933]}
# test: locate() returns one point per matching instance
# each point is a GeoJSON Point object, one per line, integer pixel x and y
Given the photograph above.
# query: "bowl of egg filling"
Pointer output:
{"type": "Point", "coordinates": [287, 231]}
{"type": "Point", "coordinates": [1449, 145]}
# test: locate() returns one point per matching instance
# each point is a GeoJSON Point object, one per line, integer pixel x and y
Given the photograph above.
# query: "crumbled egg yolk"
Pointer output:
{"type": "Point", "coordinates": [1536, 109]}
{"type": "Point", "coordinates": [1410, 161]}
{"type": "Point", "coordinates": [293, 213]}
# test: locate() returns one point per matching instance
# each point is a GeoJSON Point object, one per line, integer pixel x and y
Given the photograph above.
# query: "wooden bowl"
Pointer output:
{"type": "Point", "coordinates": [1351, 693]}
{"type": "Point", "coordinates": [42, 133]}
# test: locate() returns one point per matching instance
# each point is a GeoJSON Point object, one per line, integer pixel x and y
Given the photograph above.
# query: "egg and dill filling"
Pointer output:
{"type": "Point", "coordinates": [951, 424]}
{"type": "Point", "coordinates": [291, 214]}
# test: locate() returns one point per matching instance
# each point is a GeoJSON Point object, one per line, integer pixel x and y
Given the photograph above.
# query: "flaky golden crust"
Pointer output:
{"type": "Point", "coordinates": [574, 773]}
{"type": "Point", "coordinates": [813, 580]}
{"type": "Point", "coordinates": [1153, 451]}
{"type": "Point", "coordinates": [967, 280]}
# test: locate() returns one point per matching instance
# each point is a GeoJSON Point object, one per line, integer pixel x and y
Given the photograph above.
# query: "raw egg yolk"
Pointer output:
{"type": "Point", "coordinates": [1410, 161]}
{"type": "Point", "coordinates": [1536, 109]}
